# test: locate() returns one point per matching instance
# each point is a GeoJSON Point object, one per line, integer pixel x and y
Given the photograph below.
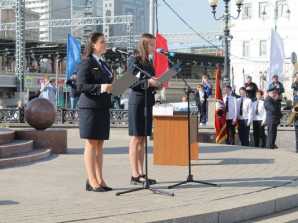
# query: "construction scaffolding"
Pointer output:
{"type": "Point", "coordinates": [21, 25]}
{"type": "Point", "coordinates": [20, 42]}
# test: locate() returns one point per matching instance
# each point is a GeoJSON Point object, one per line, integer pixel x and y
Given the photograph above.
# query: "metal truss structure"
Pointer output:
{"type": "Point", "coordinates": [20, 42]}
{"type": "Point", "coordinates": [185, 38]}
{"type": "Point", "coordinates": [7, 4]}
{"type": "Point", "coordinates": [61, 23]}
{"type": "Point", "coordinates": [21, 25]}
{"type": "Point", "coordinates": [191, 37]}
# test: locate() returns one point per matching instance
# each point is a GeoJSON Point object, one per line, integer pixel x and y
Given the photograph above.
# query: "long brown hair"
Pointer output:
{"type": "Point", "coordinates": [143, 46]}
{"type": "Point", "coordinates": [92, 39]}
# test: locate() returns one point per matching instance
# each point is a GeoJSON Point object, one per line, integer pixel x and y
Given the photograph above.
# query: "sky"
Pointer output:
{"type": "Point", "coordinates": [196, 12]}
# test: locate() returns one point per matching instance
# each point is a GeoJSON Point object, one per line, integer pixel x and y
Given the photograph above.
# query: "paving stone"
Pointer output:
{"type": "Point", "coordinates": [53, 190]}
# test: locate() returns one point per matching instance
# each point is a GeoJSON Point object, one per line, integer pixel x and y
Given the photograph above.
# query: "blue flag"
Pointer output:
{"type": "Point", "coordinates": [73, 55]}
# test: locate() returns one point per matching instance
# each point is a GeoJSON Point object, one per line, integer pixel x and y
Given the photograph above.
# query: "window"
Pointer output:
{"type": "Point", "coordinates": [282, 8]}
{"type": "Point", "coordinates": [263, 10]}
{"type": "Point", "coordinates": [108, 13]}
{"type": "Point", "coordinates": [246, 11]}
{"type": "Point", "coordinates": [263, 48]}
{"type": "Point", "coordinates": [245, 49]}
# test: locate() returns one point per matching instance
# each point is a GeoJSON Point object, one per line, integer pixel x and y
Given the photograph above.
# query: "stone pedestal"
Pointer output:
{"type": "Point", "coordinates": [54, 139]}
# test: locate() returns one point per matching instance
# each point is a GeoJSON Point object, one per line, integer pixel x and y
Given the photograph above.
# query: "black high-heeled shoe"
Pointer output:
{"type": "Point", "coordinates": [140, 180]}
{"type": "Point", "coordinates": [98, 189]}
{"type": "Point", "coordinates": [136, 181]}
{"type": "Point", "coordinates": [107, 188]}
{"type": "Point", "coordinates": [143, 179]}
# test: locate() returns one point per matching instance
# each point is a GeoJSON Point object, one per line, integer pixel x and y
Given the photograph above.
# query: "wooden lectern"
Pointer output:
{"type": "Point", "coordinates": [170, 140]}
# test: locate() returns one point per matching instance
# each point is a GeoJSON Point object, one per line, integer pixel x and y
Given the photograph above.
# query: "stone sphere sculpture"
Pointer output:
{"type": "Point", "coordinates": [40, 113]}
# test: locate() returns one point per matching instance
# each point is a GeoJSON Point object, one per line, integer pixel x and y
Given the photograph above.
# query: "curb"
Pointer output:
{"type": "Point", "coordinates": [241, 214]}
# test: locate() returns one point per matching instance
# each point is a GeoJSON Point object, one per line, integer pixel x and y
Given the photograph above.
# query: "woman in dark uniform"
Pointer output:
{"type": "Point", "coordinates": [136, 104]}
{"type": "Point", "coordinates": [95, 84]}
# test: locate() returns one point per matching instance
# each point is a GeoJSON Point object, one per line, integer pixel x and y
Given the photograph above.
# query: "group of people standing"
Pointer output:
{"type": "Point", "coordinates": [256, 108]}
{"type": "Point", "coordinates": [95, 82]}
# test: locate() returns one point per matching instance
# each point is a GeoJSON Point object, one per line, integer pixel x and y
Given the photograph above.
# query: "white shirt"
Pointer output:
{"type": "Point", "coordinates": [247, 109]}
{"type": "Point", "coordinates": [261, 116]}
{"type": "Point", "coordinates": [232, 107]}
{"type": "Point", "coordinates": [202, 94]}
{"type": "Point", "coordinates": [97, 58]}
{"type": "Point", "coordinates": [48, 91]}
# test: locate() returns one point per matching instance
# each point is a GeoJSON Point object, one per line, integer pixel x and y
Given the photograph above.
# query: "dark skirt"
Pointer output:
{"type": "Point", "coordinates": [94, 123]}
{"type": "Point", "coordinates": [136, 120]}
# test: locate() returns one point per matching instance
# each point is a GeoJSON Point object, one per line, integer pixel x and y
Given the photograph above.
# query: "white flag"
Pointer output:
{"type": "Point", "coordinates": [277, 56]}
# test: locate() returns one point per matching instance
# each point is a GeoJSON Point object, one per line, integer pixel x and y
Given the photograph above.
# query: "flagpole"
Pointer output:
{"type": "Point", "coordinates": [152, 16]}
{"type": "Point", "coordinates": [57, 89]}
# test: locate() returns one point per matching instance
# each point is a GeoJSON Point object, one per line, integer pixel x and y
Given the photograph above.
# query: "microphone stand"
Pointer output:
{"type": "Point", "coordinates": [190, 178]}
{"type": "Point", "coordinates": [146, 185]}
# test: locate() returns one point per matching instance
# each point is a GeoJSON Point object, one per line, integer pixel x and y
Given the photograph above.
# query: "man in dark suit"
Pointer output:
{"type": "Point", "coordinates": [277, 85]}
{"type": "Point", "coordinates": [201, 102]}
{"type": "Point", "coordinates": [251, 88]}
{"type": "Point", "coordinates": [74, 92]}
{"type": "Point", "coordinates": [273, 115]}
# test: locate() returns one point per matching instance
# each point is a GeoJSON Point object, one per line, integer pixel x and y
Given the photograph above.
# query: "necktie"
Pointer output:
{"type": "Point", "coordinates": [241, 107]}
{"type": "Point", "coordinates": [227, 104]}
{"type": "Point", "coordinates": [257, 108]}
{"type": "Point", "coordinates": [104, 68]}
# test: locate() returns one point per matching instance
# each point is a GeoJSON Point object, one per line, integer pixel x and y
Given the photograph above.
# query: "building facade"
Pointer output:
{"type": "Point", "coordinates": [140, 9]}
{"type": "Point", "coordinates": [42, 7]}
{"type": "Point", "coordinates": [250, 46]}
{"type": "Point", "coordinates": [83, 9]}
{"type": "Point", "coordinates": [57, 9]}
{"type": "Point", "coordinates": [9, 16]}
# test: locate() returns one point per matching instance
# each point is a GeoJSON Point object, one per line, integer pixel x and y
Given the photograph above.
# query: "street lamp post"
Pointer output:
{"type": "Point", "coordinates": [226, 17]}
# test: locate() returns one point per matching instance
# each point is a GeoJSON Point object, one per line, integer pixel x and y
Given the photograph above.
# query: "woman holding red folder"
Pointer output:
{"type": "Point", "coordinates": [136, 104]}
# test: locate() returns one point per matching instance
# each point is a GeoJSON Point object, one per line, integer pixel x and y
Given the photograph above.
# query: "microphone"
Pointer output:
{"type": "Point", "coordinates": [117, 50]}
{"type": "Point", "coordinates": [165, 52]}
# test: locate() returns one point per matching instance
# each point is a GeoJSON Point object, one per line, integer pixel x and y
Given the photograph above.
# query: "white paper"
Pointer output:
{"type": "Point", "coordinates": [163, 110]}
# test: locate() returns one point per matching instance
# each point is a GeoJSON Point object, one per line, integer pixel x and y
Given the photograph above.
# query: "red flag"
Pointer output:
{"type": "Point", "coordinates": [161, 63]}
{"type": "Point", "coordinates": [220, 114]}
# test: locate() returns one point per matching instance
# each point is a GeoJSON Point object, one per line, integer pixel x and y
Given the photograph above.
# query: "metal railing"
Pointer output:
{"type": "Point", "coordinates": [118, 117]}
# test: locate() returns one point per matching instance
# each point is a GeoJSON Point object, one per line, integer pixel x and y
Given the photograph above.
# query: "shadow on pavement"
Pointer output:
{"type": "Point", "coordinates": [270, 182]}
{"type": "Point", "coordinates": [213, 148]}
{"type": "Point", "coordinates": [108, 150]}
{"type": "Point", "coordinates": [233, 161]}
{"type": "Point", "coordinates": [8, 202]}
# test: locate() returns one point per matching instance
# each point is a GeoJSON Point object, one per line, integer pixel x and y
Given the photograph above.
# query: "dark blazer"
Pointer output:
{"type": "Point", "coordinates": [137, 92]}
{"type": "Point", "coordinates": [74, 93]}
{"type": "Point", "coordinates": [273, 110]}
{"type": "Point", "coordinates": [198, 100]}
{"type": "Point", "coordinates": [279, 86]}
{"type": "Point", "coordinates": [252, 91]}
{"type": "Point", "coordinates": [90, 77]}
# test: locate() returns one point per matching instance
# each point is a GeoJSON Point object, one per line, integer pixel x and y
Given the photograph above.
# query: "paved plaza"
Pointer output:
{"type": "Point", "coordinates": [254, 182]}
